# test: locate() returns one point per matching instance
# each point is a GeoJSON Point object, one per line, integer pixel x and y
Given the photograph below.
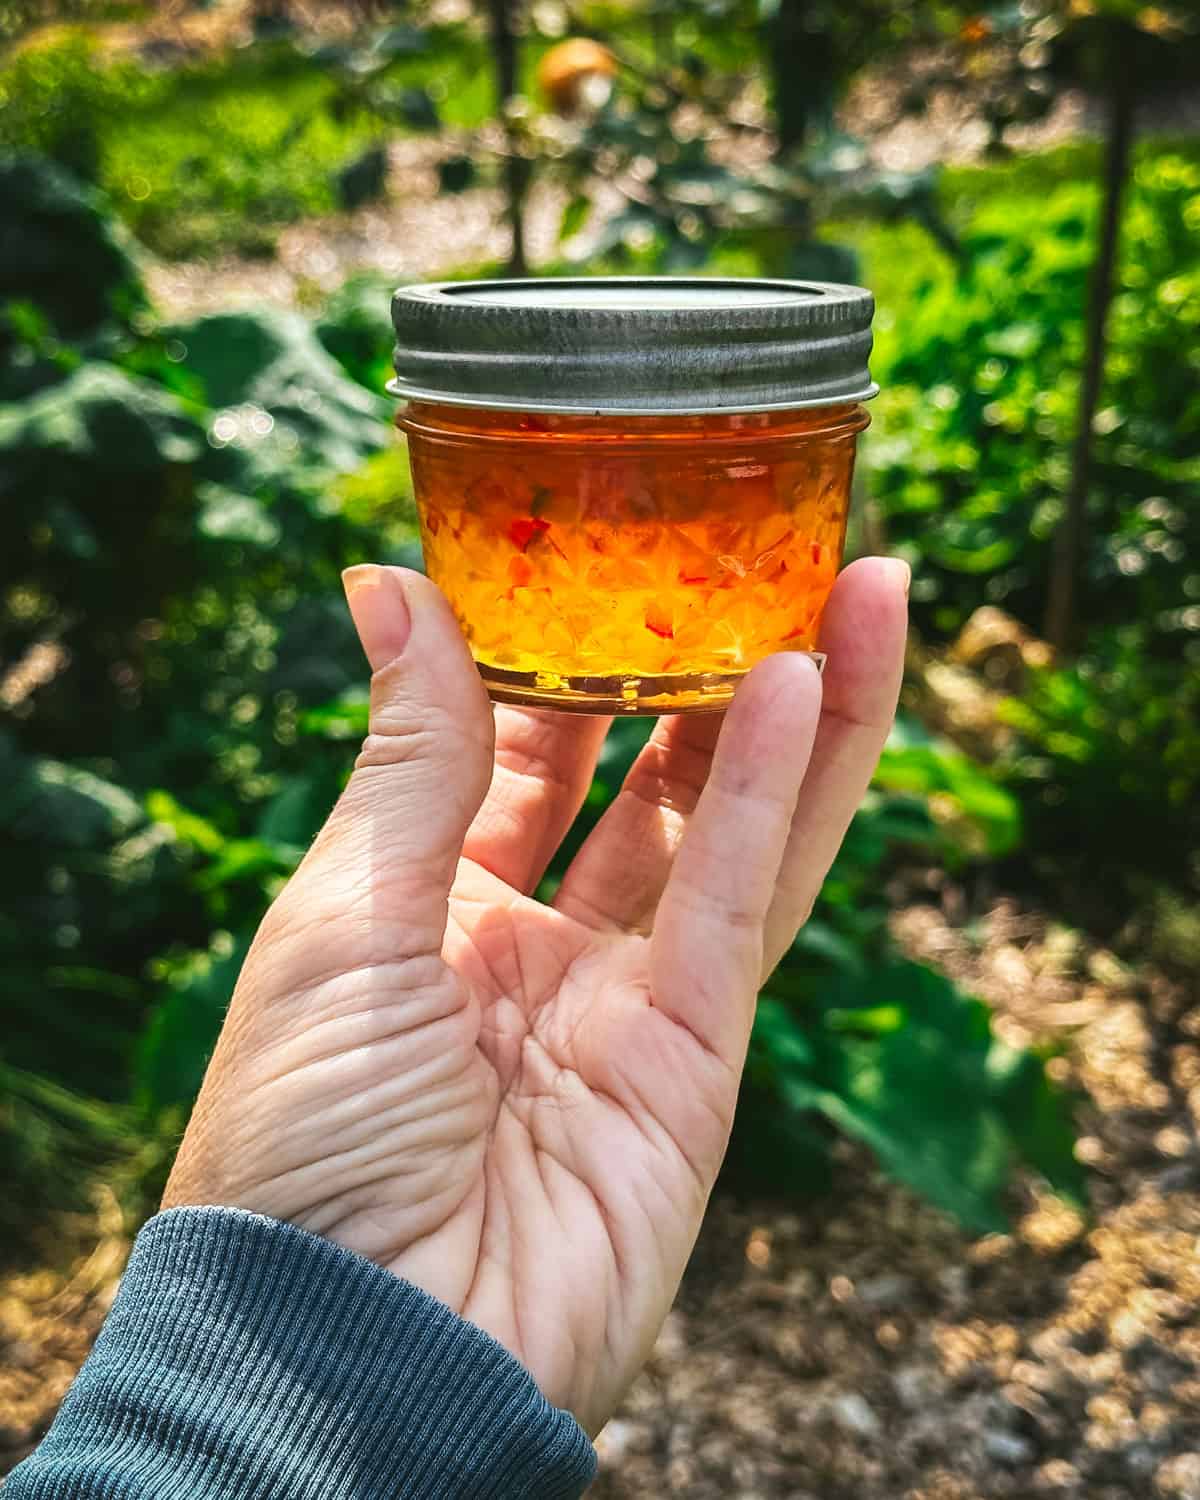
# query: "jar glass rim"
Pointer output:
{"type": "Point", "coordinates": [432, 397]}
{"type": "Point", "coordinates": [846, 419]}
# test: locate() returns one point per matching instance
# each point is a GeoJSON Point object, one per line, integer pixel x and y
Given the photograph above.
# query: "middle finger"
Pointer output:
{"type": "Point", "coordinates": [619, 874]}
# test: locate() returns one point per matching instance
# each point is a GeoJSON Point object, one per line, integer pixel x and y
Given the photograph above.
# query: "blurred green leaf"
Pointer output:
{"type": "Point", "coordinates": [100, 414]}
{"type": "Point", "coordinates": [278, 395]}
{"type": "Point", "coordinates": [1038, 1116]}
{"type": "Point", "coordinates": [186, 826]}
{"type": "Point", "coordinates": [53, 1143]}
{"type": "Point", "coordinates": [229, 517]}
{"type": "Point", "coordinates": [575, 216]}
{"type": "Point", "coordinates": [363, 178]}
{"type": "Point", "coordinates": [355, 326]}
{"type": "Point", "coordinates": [344, 719]}
{"type": "Point", "coordinates": [182, 1031]}
{"type": "Point", "coordinates": [899, 1059]}
{"type": "Point", "coordinates": [248, 859]}
{"type": "Point", "coordinates": [984, 817]}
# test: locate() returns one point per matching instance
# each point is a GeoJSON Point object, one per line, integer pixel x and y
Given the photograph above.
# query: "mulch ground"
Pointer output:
{"type": "Point", "coordinates": [861, 1347]}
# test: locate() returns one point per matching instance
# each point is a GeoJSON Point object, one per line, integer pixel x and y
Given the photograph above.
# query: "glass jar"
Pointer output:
{"type": "Point", "coordinates": [632, 490]}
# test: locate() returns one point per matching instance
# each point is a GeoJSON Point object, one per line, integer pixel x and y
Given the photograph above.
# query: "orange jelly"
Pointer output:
{"type": "Point", "coordinates": [631, 563]}
{"type": "Point", "coordinates": [632, 489]}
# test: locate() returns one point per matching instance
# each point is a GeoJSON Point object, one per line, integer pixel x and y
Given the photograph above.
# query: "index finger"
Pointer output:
{"type": "Point", "coordinates": [544, 766]}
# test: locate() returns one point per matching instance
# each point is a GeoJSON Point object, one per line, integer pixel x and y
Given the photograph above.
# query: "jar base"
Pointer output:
{"type": "Point", "coordinates": [673, 693]}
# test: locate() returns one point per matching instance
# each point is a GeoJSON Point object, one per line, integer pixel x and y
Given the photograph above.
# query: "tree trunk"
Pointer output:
{"type": "Point", "coordinates": [801, 57]}
{"type": "Point", "coordinates": [501, 18]}
{"type": "Point", "coordinates": [1069, 542]}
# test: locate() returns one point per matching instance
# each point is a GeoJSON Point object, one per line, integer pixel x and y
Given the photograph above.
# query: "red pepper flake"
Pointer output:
{"type": "Point", "coordinates": [520, 571]}
{"type": "Point", "coordinates": [660, 622]}
{"type": "Point", "coordinates": [816, 554]}
{"type": "Point", "coordinates": [692, 577]}
{"type": "Point", "coordinates": [524, 529]}
{"type": "Point", "coordinates": [792, 634]}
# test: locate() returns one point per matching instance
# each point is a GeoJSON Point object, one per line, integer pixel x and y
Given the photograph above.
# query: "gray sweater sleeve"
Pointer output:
{"type": "Point", "coordinates": [245, 1359]}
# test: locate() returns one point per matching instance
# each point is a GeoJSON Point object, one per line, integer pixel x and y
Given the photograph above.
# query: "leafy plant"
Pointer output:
{"type": "Point", "coordinates": [849, 1036]}
{"type": "Point", "coordinates": [58, 96]}
{"type": "Point", "coordinates": [1116, 730]}
{"type": "Point", "coordinates": [51, 315]}
{"type": "Point", "coordinates": [53, 1144]}
{"type": "Point", "coordinates": [895, 1057]}
{"type": "Point", "coordinates": [970, 462]}
{"type": "Point", "coordinates": [355, 326]}
{"type": "Point", "coordinates": [213, 454]}
{"type": "Point", "coordinates": [661, 144]}
{"type": "Point", "coordinates": [292, 123]}
{"type": "Point", "coordinates": [969, 457]}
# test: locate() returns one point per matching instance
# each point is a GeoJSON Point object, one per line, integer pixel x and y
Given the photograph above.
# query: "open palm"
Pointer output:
{"type": "Point", "coordinates": [522, 1107]}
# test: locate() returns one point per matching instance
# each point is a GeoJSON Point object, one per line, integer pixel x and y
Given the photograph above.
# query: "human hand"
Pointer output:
{"type": "Point", "coordinates": [522, 1108]}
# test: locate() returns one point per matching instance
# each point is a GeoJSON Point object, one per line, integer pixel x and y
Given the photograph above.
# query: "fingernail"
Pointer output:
{"type": "Point", "coordinates": [379, 608]}
{"type": "Point", "coordinates": [902, 571]}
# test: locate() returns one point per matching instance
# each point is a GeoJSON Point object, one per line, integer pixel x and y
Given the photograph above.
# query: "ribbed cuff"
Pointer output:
{"type": "Point", "coordinates": [244, 1359]}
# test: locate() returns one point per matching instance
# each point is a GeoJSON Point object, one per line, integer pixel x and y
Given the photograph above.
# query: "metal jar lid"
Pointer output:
{"type": "Point", "coordinates": [633, 345]}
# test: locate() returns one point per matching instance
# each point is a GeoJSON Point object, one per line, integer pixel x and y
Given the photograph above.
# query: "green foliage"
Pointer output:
{"type": "Point", "coordinates": [53, 1143]}
{"type": "Point", "coordinates": [176, 1044]}
{"type": "Point", "coordinates": [978, 814]}
{"type": "Point", "coordinates": [80, 883]}
{"type": "Point", "coordinates": [67, 275]}
{"type": "Point", "coordinates": [355, 326]}
{"type": "Point", "coordinates": [681, 198]}
{"type": "Point", "coordinates": [897, 1058]}
{"type": "Point", "coordinates": [969, 460]}
{"type": "Point", "coordinates": [289, 127]}
{"type": "Point", "coordinates": [890, 1052]}
{"type": "Point", "coordinates": [176, 522]}
{"type": "Point", "coordinates": [1118, 730]}
{"type": "Point", "coordinates": [289, 131]}
{"type": "Point", "coordinates": [975, 422]}
{"type": "Point", "coordinates": [20, 16]}
{"type": "Point", "coordinates": [280, 150]}
{"type": "Point", "coordinates": [58, 97]}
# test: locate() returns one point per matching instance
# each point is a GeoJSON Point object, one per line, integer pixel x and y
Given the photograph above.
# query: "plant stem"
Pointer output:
{"type": "Point", "coordinates": [1061, 609]}
{"type": "Point", "coordinates": [501, 18]}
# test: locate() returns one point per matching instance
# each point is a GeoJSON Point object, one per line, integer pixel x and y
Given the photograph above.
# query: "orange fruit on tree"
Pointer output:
{"type": "Point", "coordinates": [575, 74]}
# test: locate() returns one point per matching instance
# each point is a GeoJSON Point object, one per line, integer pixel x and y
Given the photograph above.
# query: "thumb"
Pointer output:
{"type": "Point", "coordinates": [426, 762]}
